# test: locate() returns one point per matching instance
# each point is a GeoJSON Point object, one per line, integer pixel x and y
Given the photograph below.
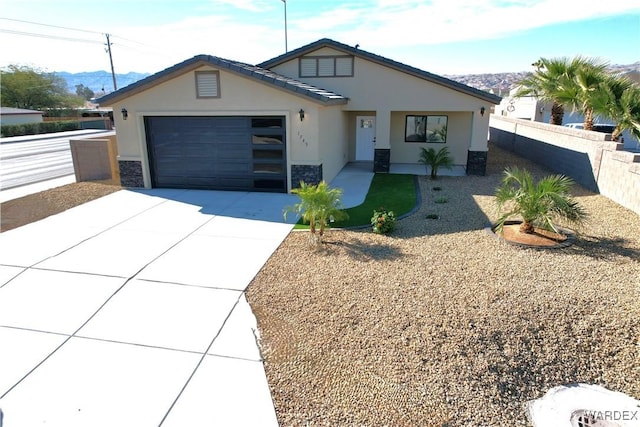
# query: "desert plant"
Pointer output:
{"type": "Point", "coordinates": [432, 216]}
{"type": "Point", "coordinates": [538, 204]}
{"type": "Point", "coordinates": [436, 159]}
{"type": "Point", "coordinates": [319, 205]}
{"type": "Point", "coordinates": [383, 221]}
{"type": "Point", "coordinates": [441, 199]}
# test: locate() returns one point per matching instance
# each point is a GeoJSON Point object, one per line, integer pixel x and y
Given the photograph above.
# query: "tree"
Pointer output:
{"type": "Point", "coordinates": [554, 81]}
{"type": "Point", "coordinates": [436, 159]}
{"type": "Point", "coordinates": [84, 92]}
{"type": "Point", "coordinates": [538, 204]}
{"type": "Point", "coordinates": [581, 90]}
{"type": "Point", "coordinates": [319, 205]}
{"type": "Point", "coordinates": [619, 100]}
{"type": "Point", "coordinates": [24, 87]}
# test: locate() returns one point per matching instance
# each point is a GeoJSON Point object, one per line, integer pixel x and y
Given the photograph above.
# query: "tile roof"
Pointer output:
{"type": "Point", "coordinates": [452, 84]}
{"type": "Point", "coordinates": [266, 76]}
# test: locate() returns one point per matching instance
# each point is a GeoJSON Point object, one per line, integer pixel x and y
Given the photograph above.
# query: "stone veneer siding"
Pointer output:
{"type": "Point", "coordinates": [477, 163]}
{"type": "Point", "coordinates": [310, 174]}
{"type": "Point", "coordinates": [381, 159]}
{"type": "Point", "coordinates": [130, 173]}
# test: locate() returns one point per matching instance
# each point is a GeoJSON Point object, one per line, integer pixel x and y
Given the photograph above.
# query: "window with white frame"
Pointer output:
{"type": "Point", "coordinates": [326, 66]}
{"type": "Point", "coordinates": [208, 84]}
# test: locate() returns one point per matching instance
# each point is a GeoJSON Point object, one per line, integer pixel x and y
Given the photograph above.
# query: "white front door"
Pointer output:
{"type": "Point", "coordinates": [365, 137]}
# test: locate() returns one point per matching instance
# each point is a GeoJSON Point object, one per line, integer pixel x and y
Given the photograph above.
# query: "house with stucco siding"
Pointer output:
{"type": "Point", "coordinates": [216, 123]}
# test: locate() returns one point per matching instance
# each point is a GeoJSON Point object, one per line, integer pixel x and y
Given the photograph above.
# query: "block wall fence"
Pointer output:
{"type": "Point", "coordinates": [589, 158]}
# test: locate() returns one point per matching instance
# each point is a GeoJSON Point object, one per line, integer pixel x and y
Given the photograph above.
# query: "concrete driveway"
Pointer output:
{"type": "Point", "coordinates": [130, 311]}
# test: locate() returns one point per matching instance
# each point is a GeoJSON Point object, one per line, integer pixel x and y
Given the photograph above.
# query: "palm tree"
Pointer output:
{"type": "Point", "coordinates": [538, 204]}
{"type": "Point", "coordinates": [319, 205]}
{"type": "Point", "coordinates": [542, 84]}
{"type": "Point", "coordinates": [436, 159]}
{"type": "Point", "coordinates": [556, 80]}
{"type": "Point", "coordinates": [619, 100]}
{"type": "Point", "coordinates": [581, 89]}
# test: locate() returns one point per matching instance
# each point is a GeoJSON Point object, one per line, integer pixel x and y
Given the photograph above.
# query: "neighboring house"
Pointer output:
{"type": "Point", "coordinates": [215, 123]}
{"type": "Point", "coordinates": [19, 116]}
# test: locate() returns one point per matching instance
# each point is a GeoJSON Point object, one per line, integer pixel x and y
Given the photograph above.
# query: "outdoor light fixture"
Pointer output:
{"type": "Point", "coordinates": [301, 113]}
{"type": "Point", "coordinates": [482, 110]}
{"type": "Point", "coordinates": [125, 113]}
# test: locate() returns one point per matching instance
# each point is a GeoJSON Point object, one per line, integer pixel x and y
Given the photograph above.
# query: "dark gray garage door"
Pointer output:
{"type": "Point", "coordinates": [221, 153]}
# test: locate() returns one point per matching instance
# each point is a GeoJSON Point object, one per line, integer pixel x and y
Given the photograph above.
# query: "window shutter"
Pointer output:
{"type": "Point", "coordinates": [326, 67]}
{"type": "Point", "coordinates": [344, 66]}
{"type": "Point", "coordinates": [308, 67]}
{"type": "Point", "coordinates": [207, 85]}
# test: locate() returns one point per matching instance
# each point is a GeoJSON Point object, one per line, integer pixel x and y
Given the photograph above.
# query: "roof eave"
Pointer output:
{"type": "Point", "coordinates": [231, 66]}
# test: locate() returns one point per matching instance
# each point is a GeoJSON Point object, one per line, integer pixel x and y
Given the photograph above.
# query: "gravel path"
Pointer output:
{"type": "Point", "coordinates": [440, 324]}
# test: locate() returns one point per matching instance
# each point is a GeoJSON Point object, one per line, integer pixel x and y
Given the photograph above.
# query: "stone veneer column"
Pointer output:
{"type": "Point", "coordinates": [310, 174]}
{"type": "Point", "coordinates": [477, 163]}
{"type": "Point", "coordinates": [131, 173]}
{"type": "Point", "coordinates": [381, 159]}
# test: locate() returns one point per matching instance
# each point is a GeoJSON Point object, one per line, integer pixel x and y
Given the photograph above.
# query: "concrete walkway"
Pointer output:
{"type": "Point", "coordinates": [130, 310]}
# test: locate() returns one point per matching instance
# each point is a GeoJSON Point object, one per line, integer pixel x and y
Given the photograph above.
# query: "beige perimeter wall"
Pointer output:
{"type": "Point", "coordinates": [590, 158]}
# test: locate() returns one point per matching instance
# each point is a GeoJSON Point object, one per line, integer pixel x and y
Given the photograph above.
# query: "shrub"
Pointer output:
{"type": "Point", "coordinates": [38, 128]}
{"type": "Point", "coordinates": [383, 221]}
{"type": "Point", "coordinates": [441, 200]}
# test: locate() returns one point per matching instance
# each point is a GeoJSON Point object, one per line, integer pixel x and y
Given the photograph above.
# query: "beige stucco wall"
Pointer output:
{"type": "Point", "coordinates": [458, 137]}
{"type": "Point", "coordinates": [334, 143]}
{"type": "Point", "coordinates": [378, 88]}
{"type": "Point", "coordinates": [239, 96]}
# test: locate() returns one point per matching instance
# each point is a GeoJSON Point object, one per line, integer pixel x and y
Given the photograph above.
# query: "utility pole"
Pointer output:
{"type": "Point", "coordinates": [286, 47]}
{"type": "Point", "coordinates": [113, 74]}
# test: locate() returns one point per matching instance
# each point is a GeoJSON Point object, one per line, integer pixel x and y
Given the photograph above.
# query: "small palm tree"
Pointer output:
{"type": "Point", "coordinates": [538, 204]}
{"type": "Point", "coordinates": [319, 205]}
{"type": "Point", "coordinates": [436, 159]}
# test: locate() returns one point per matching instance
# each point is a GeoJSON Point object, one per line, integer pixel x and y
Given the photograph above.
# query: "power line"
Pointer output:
{"type": "Point", "coordinates": [50, 36]}
{"type": "Point", "coordinates": [52, 26]}
{"type": "Point", "coordinates": [64, 28]}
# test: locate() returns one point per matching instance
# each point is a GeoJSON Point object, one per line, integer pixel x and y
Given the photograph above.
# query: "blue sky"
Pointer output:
{"type": "Point", "coordinates": [440, 36]}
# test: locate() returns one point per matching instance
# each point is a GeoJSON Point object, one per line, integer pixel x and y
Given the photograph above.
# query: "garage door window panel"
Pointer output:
{"type": "Point", "coordinates": [267, 139]}
{"type": "Point", "coordinates": [267, 122]}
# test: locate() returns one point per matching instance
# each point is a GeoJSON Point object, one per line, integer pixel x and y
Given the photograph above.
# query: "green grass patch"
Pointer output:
{"type": "Point", "coordinates": [394, 192]}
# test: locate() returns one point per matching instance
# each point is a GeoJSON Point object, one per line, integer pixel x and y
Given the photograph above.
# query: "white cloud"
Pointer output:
{"type": "Point", "coordinates": [253, 30]}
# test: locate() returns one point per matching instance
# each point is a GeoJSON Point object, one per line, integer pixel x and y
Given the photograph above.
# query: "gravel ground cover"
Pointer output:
{"type": "Point", "coordinates": [34, 207]}
{"type": "Point", "coordinates": [440, 323]}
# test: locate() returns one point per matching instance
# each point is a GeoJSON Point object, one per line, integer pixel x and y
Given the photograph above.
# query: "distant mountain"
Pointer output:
{"type": "Point", "coordinates": [100, 82]}
{"type": "Point", "coordinates": [501, 83]}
